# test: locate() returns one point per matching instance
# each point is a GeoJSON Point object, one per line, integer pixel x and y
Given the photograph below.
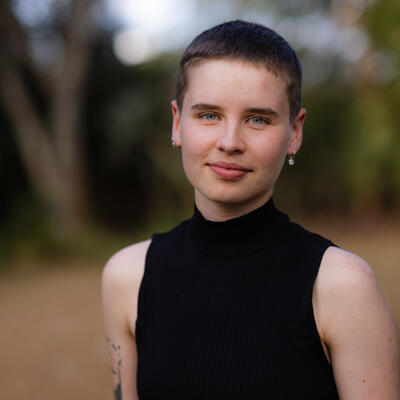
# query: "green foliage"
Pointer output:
{"type": "Point", "coordinates": [28, 237]}
{"type": "Point", "coordinates": [25, 231]}
{"type": "Point", "coordinates": [349, 158]}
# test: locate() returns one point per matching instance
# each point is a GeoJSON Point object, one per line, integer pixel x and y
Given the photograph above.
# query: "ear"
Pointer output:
{"type": "Point", "coordinates": [297, 132]}
{"type": "Point", "coordinates": [176, 120]}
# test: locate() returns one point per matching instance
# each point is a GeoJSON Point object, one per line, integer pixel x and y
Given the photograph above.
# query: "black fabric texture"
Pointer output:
{"type": "Point", "coordinates": [225, 312]}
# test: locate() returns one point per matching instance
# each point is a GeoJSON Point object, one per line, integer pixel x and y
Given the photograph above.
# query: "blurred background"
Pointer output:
{"type": "Point", "coordinates": [86, 165]}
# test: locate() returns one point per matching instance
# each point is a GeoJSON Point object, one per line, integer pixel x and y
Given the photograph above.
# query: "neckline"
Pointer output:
{"type": "Point", "coordinates": [238, 236]}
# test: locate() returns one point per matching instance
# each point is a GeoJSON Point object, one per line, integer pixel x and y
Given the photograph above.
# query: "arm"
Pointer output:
{"type": "Point", "coordinates": [120, 286]}
{"type": "Point", "coordinates": [356, 324]}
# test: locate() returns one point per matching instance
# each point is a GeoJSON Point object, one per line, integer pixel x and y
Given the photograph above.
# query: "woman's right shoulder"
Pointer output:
{"type": "Point", "coordinates": [120, 283]}
{"type": "Point", "coordinates": [126, 265]}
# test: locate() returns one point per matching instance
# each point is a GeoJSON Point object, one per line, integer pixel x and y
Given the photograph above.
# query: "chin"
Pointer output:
{"type": "Point", "coordinates": [226, 196]}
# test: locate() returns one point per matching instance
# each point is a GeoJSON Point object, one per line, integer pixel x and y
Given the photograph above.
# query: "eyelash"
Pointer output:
{"type": "Point", "coordinates": [262, 121]}
{"type": "Point", "coordinates": [204, 116]}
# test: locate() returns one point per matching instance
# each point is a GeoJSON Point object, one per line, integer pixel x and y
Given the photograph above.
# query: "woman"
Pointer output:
{"type": "Point", "coordinates": [238, 302]}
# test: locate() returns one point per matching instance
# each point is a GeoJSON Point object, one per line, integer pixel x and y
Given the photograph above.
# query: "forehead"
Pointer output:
{"type": "Point", "coordinates": [235, 83]}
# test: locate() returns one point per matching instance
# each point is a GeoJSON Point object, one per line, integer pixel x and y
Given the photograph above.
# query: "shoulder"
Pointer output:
{"type": "Point", "coordinates": [342, 272]}
{"type": "Point", "coordinates": [346, 290]}
{"type": "Point", "coordinates": [127, 264]}
{"type": "Point", "coordinates": [340, 267]}
{"type": "Point", "coordinates": [307, 241]}
{"type": "Point", "coordinates": [120, 285]}
{"type": "Point", "coordinates": [357, 327]}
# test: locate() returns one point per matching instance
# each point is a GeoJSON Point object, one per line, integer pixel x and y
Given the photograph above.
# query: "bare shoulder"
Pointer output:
{"type": "Point", "coordinates": [121, 280]}
{"type": "Point", "coordinates": [348, 299]}
{"type": "Point", "coordinates": [126, 265]}
{"type": "Point", "coordinates": [342, 276]}
{"type": "Point", "coordinates": [357, 327]}
{"type": "Point", "coordinates": [342, 270]}
{"type": "Point", "coordinates": [345, 283]}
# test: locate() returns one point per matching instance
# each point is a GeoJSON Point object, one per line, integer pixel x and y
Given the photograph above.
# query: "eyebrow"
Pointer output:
{"type": "Point", "coordinates": [204, 106]}
{"type": "Point", "coordinates": [267, 111]}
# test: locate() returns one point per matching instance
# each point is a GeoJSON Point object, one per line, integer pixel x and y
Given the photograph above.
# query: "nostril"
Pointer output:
{"type": "Point", "coordinates": [231, 144]}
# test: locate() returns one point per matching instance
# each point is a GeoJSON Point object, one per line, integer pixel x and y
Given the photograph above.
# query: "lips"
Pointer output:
{"type": "Point", "coordinates": [229, 171]}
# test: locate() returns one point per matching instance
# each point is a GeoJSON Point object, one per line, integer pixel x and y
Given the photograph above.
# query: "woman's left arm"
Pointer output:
{"type": "Point", "coordinates": [355, 323]}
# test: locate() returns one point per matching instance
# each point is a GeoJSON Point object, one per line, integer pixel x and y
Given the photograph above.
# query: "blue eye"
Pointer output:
{"type": "Point", "coordinates": [258, 121]}
{"type": "Point", "coordinates": [209, 116]}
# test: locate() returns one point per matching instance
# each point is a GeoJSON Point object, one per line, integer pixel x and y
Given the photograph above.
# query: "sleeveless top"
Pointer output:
{"type": "Point", "coordinates": [225, 312]}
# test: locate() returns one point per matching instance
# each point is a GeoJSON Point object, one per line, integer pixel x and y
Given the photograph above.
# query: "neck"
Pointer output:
{"type": "Point", "coordinates": [236, 236]}
{"type": "Point", "coordinates": [221, 211]}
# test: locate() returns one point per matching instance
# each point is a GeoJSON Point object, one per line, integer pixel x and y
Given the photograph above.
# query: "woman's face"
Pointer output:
{"type": "Point", "coordinates": [235, 132]}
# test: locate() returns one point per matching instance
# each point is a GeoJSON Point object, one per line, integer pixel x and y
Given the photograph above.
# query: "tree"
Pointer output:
{"type": "Point", "coordinates": [49, 138]}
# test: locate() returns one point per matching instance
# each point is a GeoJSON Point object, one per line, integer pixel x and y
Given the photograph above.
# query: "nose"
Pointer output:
{"type": "Point", "coordinates": [231, 140]}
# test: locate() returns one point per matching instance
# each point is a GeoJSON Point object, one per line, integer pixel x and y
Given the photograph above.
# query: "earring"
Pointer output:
{"type": "Point", "coordinates": [173, 143]}
{"type": "Point", "coordinates": [291, 159]}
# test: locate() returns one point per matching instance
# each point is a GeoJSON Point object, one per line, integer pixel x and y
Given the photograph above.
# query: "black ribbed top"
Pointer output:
{"type": "Point", "coordinates": [239, 236]}
{"type": "Point", "coordinates": [225, 312]}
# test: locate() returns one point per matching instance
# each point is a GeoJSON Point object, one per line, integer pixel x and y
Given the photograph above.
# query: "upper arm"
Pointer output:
{"type": "Point", "coordinates": [356, 324]}
{"type": "Point", "coordinates": [120, 286]}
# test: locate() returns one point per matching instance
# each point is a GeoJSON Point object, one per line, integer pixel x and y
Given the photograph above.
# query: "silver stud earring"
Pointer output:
{"type": "Point", "coordinates": [173, 143]}
{"type": "Point", "coordinates": [291, 159]}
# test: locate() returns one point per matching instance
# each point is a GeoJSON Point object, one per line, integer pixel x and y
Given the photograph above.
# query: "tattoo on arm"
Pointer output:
{"type": "Point", "coordinates": [117, 392]}
{"type": "Point", "coordinates": [117, 350]}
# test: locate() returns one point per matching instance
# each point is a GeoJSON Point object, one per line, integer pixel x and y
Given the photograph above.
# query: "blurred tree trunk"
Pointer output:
{"type": "Point", "coordinates": [51, 146]}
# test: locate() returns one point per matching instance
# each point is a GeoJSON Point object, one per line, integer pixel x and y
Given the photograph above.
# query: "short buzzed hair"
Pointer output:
{"type": "Point", "coordinates": [250, 42]}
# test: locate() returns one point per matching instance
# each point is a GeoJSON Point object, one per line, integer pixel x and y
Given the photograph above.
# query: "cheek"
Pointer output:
{"type": "Point", "coordinates": [195, 141]}
{"type": "Point", "coordinates": [271, 154]}
{"type": "Point", "coordinates": [192, 150]}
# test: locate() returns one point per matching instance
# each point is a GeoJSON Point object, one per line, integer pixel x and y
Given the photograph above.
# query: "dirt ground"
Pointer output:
{"type": "Point", "coordinates": [51, 335]}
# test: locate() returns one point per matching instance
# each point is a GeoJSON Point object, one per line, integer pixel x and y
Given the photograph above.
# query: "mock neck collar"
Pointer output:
{"type": "Point", "coordinates": [238, 236]}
